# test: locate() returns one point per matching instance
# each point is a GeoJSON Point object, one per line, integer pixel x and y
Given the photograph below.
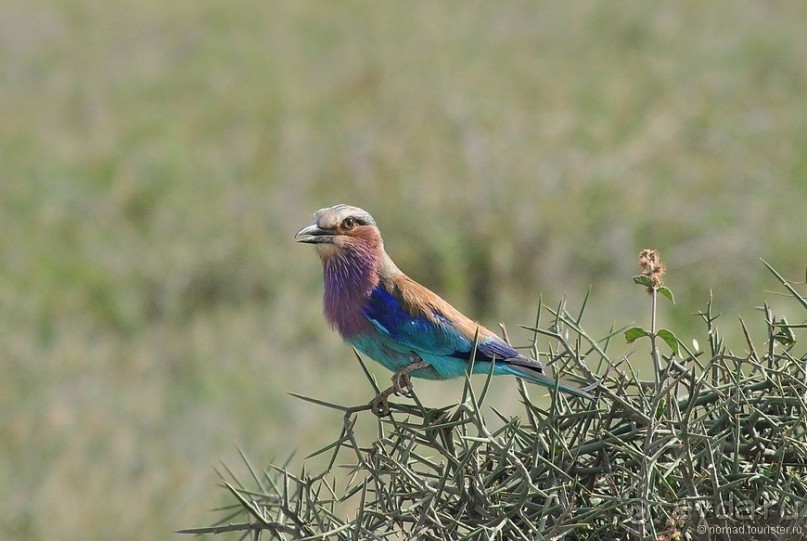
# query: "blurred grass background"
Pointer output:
{"type": "Point", "coordinates": [156, 159]}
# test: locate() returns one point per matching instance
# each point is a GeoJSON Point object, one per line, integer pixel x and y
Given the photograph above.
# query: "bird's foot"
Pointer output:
{"type": "Point", "coordinates": [380, 404]}
{"type": "Point", "coordinates": [401, 386]}
{"type": "Point", "coordinates": [402, 381]}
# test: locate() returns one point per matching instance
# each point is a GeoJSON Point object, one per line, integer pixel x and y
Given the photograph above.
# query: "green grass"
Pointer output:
{"type": "Point", "coordinates": [156, 160]}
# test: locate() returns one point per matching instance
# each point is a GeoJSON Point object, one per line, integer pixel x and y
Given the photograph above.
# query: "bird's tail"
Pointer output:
{"type": "Point", "coordinates": [533, 376]}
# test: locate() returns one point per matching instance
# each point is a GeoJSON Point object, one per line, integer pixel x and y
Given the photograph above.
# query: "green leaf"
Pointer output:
{"type": "Point", "coordinates": [670, 338]}
{"type": "Point", "coordinates": [660, 409]}
{"type": "Point", "coordinates": [634, 333]}
{"type": "Point", "coordinates": [642, 280]}
{"type": "Point", "coordinates": [664, 290]}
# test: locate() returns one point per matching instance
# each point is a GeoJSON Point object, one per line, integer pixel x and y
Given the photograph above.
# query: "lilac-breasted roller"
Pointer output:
{"type": "Point", "coordinates": [396, 321]}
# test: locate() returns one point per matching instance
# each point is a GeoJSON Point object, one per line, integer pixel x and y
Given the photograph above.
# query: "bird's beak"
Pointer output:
{"type": "Point", "coordinates": [313, 234]}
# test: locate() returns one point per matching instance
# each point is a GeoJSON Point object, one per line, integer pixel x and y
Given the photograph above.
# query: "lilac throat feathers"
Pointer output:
{"type": "Point", "coordinates": [349, 279]}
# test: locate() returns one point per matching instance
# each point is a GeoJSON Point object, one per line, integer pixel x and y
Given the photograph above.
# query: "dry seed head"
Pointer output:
{"type": "Point", "coordinates": [652, 267]}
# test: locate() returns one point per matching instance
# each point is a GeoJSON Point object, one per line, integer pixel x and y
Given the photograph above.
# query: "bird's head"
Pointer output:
{"type": "Point", "coordinates": [334, 230]}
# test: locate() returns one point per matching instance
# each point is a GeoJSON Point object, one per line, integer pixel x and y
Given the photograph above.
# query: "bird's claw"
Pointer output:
{"type": "Point", "coordinates": [402, 381]}
{"type": "Point", "coordinates": [380, 404]}
{"type": "Point", "coordinates": [402, 384]}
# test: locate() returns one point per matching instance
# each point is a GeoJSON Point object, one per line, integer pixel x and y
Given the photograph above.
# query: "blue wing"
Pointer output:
{"type": "Point", "coordinates": [431, 337]}
{"type": "Point", "coordinates": [446, 348]}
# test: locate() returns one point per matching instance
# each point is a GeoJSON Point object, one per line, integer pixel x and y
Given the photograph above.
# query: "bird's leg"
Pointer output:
{"type": "Point", "coordinates": [402, 382]}
{"type": "Point", "coordinates": [380, 404]}
{"type": "Point", "coordinates": [401, 385]}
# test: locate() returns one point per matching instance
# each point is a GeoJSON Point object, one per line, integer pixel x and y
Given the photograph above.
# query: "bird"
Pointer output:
{"type": "Point", "coordinates": [394, 320]}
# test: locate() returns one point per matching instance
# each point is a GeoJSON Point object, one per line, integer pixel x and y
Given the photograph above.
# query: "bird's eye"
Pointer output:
{"type": "Point", "coordinates": [349, 223]}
